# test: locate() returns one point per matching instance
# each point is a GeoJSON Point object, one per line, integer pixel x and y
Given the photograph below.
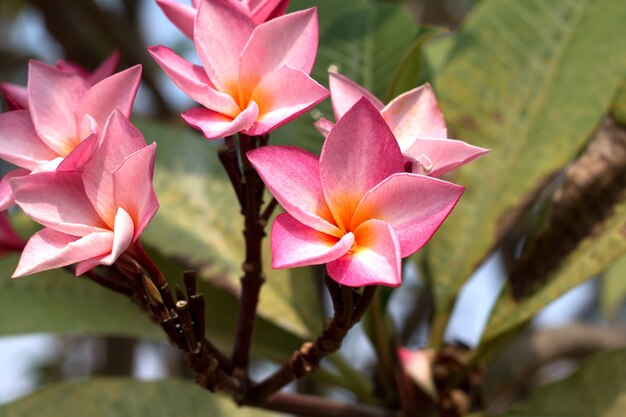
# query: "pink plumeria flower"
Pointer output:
{"type": "Point", "coordinates": [416, 121]}
{"type": "Point", "coordinates": [16, 96]}
{"type": "Point", "coordinates": [93, 214]}
{"type": "Point", "coordinates": [183, 16]}
{"type": "Point", "coordinates": [63, 110]}
{"type": "Point", "coordinates": [254, 78]}
{"type": "Point", "coordinates": [354, 208]}
{"type": "Point", "coordinates": [9, 240]}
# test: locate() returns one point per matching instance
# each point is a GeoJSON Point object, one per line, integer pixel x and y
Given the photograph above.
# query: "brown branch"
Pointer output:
{"type": "Point", "coordinates": [184, 324]}
{"type": "Point", "coordinates": [308, 357]}
{"type": "Point", "coordinates": [254, 231]}
{"type": "Point", "coordinates": [364, 302]}
{"type": "Point", "coordinates": [591, 187]}
{"type": "Point", "coordinates": [139, 254]}
{"type": "Point", "coordinates": [267, 213]}
{"type": "Point", "coordinates": [229, 159]}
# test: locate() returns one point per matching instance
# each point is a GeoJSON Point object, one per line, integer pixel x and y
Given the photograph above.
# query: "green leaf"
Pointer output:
{"type": "Point", "coordinates": [530, 80]}
{"type": "Point", "coordinates": [58, 302]}
{"type": "Point", "coordinates": [613, 288]}
{"type": "Point", "coordinates": [618, 110]}
{"type": "Point", "coordinates": [119, 397]}
{"type": "Point", "coordinates": [592, 256]}
{"type": "Point", "coordinates": [437, 51]}
{"type": "Point", "coordinates": [367, 45]}
{"type": "Point", "coordinates": [328, 10]}
{"type": "Point", "coordinates": [414, 68]}
{"type": "Point", "coordinates": [597, 388]}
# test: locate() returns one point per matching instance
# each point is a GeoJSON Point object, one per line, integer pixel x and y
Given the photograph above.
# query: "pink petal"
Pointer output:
{"type": "Point", "coordinates": [6, 194]}
{"type": "Point", "coordinates": [81, 154]}
{"type": "Point", "coordinates": [193, 81]}
{"type": "Point", "coordinates": [375, 259]}
{"type": "Point", "coordinates": [289, 40]}
{"type": "Point", "coordinates": [120, 140]}
{"type": "Point", "coordinates": [181, 15]}
{"type": "Point", "coordinates": [323, 125]}
{"type": "Point", "coordinates": [15, 96]}
{"type": "Point", "coordinates": [57, 200]}
{"type": "Point", "coordinates": [240, 5]}
{"type": "Point", "coordinates": [19, 143]}
{"type": "Point", "coordinates": [105, 69]}
{"type": "Point", "coordinates": [414, 205]}
{"type": "Point", "coordinates": [88, 265]}
{"type": "Point", "coordinates": [445, 154]}
{"type": "Point", "coordinates": [72, 68]}
{"type": "Point", "coordinates": [282, 96]}
{"type": "Point", "coordinates": [116, 92]}
{"type": "Point", "coordinates": [292, 176]}
{"type": "Point", "coordinates": [53, 97]}
{"type": "Point", "coordinates": [264, 10]}
{"type": "Point", "coordinates": [295, 244]}
{"type": "Point", "coordinates": [222, 33]}
{"type": "Point", "coordinates": [345, 93]}
{"type": "Point", "coordinates": [49, 249]}
{"type": "Point", "coordinates": [133, 190]}
{"type": "Point", "coordinates": [359, 152]}
{"type": "Point", "coordinates": [123, 234]}
{"type": "Point", "coordinates": [216, 125]}
{"type": "Point", "coordinates": [415, 114]}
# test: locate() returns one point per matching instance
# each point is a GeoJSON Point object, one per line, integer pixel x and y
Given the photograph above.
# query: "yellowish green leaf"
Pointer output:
{"type": "Point", "coordinates": [58, 302]}
{"type": "Point", "coordinates": [119, 397]}
{"type": "Point", "coordinates": [530, 80]}
{"type": "Point", "coordinates": [597, 388]}
{"type": "Point", "coordinates": [613, 288]}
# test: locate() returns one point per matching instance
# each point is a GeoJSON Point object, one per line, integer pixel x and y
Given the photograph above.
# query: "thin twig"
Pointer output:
{"type": "Point", "coordinates": [267, 213]}
{"type": "Point", "coordinates": [309, 356]}
{"type": "Point", "coordinates": [364, 302]}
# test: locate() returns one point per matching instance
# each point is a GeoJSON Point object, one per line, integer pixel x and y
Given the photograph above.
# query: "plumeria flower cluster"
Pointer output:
{"type": "Point", "coordinates": [253, 78]}
{"type": "Point", "coordinates": [85, 173]}
{"type": "Point", "coordinates": [62, 110]}
{"type": "Point", "coordinates": [355, 208]}
{"type": "Point", "coordinates": [370, 199]}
